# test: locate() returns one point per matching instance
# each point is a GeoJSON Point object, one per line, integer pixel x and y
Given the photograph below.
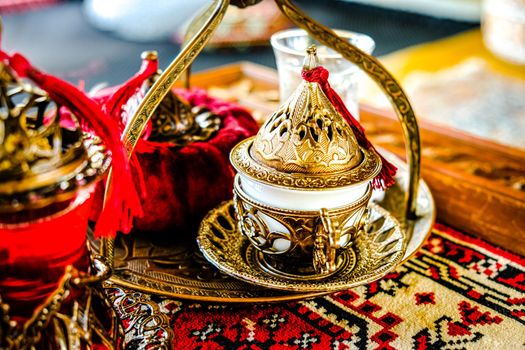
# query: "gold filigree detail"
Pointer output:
{"type": "Point", "coordinates": [241, 159]}
{"type": "Point", "coordinates": [178, 270]}
{"type": "Point", "coordinates": [307, 135]}
{"type": "Point", "coordinates": [143, 318]}
{"type": "Point", "coordinates": [311, 238]}
{"type": "Point", "coordinates": [164, 284]}
{"type": "Point", "coordinates": [327, 234]}
{"type": "Point", "coordinates": [40, 162]}
{"type": "Point", "coordinates": [59, 322]}
{"type": "Point", "coordinates": [177, 122]}
{"type": "Point", "coordinates": [254, 228]}
{"type": "Point", "coordinates": [306, 144]}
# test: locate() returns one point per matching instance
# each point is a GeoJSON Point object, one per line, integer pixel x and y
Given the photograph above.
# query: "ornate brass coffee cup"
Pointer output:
{"type": "Point", "coordinates": [303, 185]}
{"type": "Point", "coordinates": [301, 239]}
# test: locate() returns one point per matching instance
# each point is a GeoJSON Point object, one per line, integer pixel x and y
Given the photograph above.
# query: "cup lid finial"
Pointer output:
{"type": "Point", "coordinates": [311, 60]}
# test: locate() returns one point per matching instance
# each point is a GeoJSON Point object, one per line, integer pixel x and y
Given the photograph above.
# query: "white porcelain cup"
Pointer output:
{"type": "Point", "coordinates": [290, 199]}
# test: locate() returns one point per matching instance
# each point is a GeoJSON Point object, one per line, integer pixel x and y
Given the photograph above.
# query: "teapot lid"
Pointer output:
{"type": "Point", "coordinates": [41, 161]}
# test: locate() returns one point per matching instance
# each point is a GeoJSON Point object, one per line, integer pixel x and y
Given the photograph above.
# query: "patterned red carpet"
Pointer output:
{"type": "Point", "coordinates": [458, 292]}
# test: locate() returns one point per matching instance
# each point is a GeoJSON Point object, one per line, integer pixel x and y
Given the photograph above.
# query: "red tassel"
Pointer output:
{"type": "Point", "coordinates": [320, 75]}
{"type": "Point", "coordinates": [122, 201]}
{"type": "Point", "coordinates": [113, 105]}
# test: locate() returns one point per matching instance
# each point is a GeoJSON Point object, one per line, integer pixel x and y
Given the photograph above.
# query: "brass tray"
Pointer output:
{"type": "Point", "coordinates": [151, 264]}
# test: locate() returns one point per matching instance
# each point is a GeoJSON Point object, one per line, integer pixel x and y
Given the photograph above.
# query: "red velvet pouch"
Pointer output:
{"type": "Point", "coordinates": [181, 184]}
{"type": "Point", "coordinates": [184, 183]}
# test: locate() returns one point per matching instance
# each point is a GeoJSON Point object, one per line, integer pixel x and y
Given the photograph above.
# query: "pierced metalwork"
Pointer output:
{"type": "Point", "coordinates": [310, 238]}
{"type": "Point", "coordinates": [243, 162]}
{"type": "Point", "coordinates": [40, 162]}
{"type": "Point", "coordinates": [177, 269]}
{"type": "Point", "coordinates": [380, 75]}
{"type": "Point", "coordinates": [197, 37]}
{"type": "Point", "coordinates": [307, 135]}
{"type": "Point", "coordinates": [177, 122]}
{"type": "Point", "coordinates": [306, 144]}
{"type": "Point", "coordinates": [142, 318]}
{"type": "Point", "coordinates": [54, 325]}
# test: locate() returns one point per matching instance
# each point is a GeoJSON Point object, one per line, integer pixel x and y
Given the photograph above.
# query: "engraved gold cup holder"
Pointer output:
{"type": "Point", "coordinates": [180, 270]}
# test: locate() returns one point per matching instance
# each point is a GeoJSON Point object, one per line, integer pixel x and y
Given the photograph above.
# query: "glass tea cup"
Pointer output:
{"type": "Point", "coordinates": [290, 51]}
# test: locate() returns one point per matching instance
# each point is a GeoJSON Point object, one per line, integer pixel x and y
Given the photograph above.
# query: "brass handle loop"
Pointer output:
{"type": "Point", "coordinates": [327, 236]}
{"type": "Point", "coordinates": [193, 28]}
{"type": "Point", "coordinates": [375, 70]}
{"type": "Point", "coordinates": [102, 271]}
{"type": "Point", "coordinates": [208, 22]}
{"type": "Point", "coordinates": [164, 83]}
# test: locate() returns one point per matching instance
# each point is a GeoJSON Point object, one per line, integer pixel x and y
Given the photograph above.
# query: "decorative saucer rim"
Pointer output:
{"type": "Point", "coordinates": [237, 251]}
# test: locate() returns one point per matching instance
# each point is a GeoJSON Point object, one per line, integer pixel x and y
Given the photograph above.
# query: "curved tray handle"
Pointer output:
{"type": "Point", "coordinates": [209, 20]}
{"type": "Point", "coordinates": [198, 35]}
{"type": "Point", "coordinates": [375, 70]}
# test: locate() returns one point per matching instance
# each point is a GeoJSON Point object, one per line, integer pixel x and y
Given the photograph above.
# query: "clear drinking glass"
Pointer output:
{"type": "Point", "coordinates": [503, 28]}
{"type": "Point", "coordinates": [290, 47]}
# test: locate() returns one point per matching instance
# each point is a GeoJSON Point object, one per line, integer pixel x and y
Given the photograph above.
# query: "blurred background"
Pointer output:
{"type": "Point", "coordinates": [456, 74]}
{"type": "Point", "coordinates": [101, 40]}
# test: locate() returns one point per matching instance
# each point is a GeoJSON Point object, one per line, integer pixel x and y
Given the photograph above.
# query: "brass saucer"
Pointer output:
{"type": "Point", "coordinates": [375, 252]}
{"type": "Point", "coordinates": [162, 264]}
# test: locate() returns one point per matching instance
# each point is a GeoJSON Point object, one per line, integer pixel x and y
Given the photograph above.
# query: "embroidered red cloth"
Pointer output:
{"type": "Point", "coordinates": [457, 292]}
{"type": "Point", "coordinates": [172, 178]}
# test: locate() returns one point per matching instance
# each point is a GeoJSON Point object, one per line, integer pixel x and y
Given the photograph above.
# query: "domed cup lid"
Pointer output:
{"type": "Point", "coordinates": [306, 144]}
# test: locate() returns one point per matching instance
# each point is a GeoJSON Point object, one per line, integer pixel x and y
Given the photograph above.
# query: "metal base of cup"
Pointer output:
{"type": "Point", "coordinates": [292, 269]}
{"type": "Point", "coordinates": [374, 253]}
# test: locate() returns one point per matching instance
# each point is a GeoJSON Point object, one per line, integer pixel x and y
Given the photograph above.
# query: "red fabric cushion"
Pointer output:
{"type": "Point", "coordinates": [183, 183]}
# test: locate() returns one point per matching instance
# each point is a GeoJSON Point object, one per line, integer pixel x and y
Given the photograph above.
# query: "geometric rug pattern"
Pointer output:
{"type": "Point", "coordinates": [457, 292]}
